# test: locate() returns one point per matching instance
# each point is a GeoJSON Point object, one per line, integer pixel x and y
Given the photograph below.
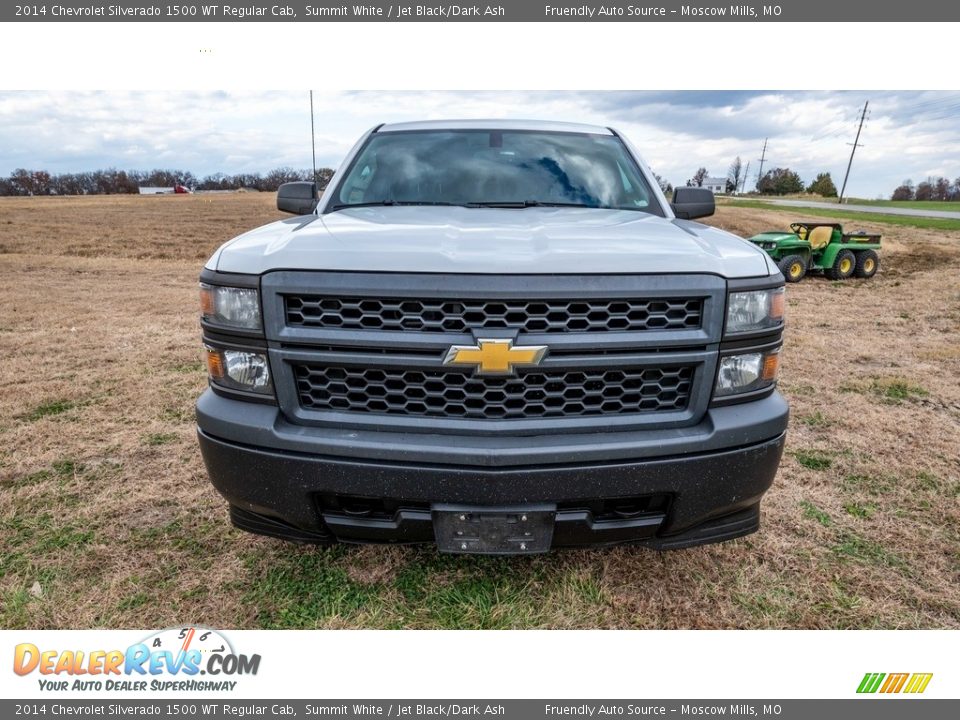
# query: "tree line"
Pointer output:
{"type": "Point", "coordinates": [776, 181]}
{"type": "Point", "coordinates": [939, 188]}
{"type": "Point", "coordinates": [118, 182]}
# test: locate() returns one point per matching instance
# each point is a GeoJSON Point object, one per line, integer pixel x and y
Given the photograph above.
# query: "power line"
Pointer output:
{"type": "Point", "coordinates": [856, 144]}
{"type": "Point", "coordinates": [837, 127]}
{"type": "Point", "coordinates": [930, 103]}
{"type": "Point", "coordinates": [946, 107]}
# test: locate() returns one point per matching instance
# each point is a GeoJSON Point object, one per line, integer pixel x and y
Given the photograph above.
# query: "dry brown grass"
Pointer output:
{"type": "Point", "coordinates": [104, 501]}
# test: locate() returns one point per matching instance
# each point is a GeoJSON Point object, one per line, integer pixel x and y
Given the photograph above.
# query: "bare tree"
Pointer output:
{"type": "Point", "coordinates": [941, 189]}
{"type": "Point", "coordinates": [665, 185]}
{"type": "Point", "coordinates": [323, 177]}
{"type": "Point", "coordinates": [735, 175]}
{"type": "Point", "coordinates": [924, 191]}
{"type": "Point", "coordinates": [698, 177]}
{"type": "Point", "coordinates": [904, 192]}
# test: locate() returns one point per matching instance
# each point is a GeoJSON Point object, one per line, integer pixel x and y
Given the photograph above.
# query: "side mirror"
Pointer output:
{"type": "Point", "coordinates": [693, 202]}
{"type": "Point", "coordinates": [299, 198]}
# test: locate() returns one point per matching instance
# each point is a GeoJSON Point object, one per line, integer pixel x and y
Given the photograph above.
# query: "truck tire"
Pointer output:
{"type": "Point", "coordinates": [843, 266]}
{"type": "Point", "coordinates": [793, 267]}
{"type": "Point", "coordinates": [867, 264]}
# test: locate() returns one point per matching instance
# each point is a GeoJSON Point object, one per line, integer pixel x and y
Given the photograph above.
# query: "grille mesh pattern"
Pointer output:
{"type": "Point", "coordinates": [536, 394]}
{"type": "Point", "coordinates": [464, 315]}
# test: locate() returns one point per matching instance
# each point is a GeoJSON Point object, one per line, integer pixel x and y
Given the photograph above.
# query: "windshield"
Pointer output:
{"type": "Point", "coordinates": [498, 168]}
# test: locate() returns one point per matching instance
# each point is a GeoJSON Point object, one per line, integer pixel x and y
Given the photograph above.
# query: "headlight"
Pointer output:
{"type": "Point", "coordinates": [743, 373]}
{"type": "Point", "coordinates": [230, 306]}
{"type": "Point", "coordinates": [239, 370]}
{"type": "Point", "coordinates": [754, 310]}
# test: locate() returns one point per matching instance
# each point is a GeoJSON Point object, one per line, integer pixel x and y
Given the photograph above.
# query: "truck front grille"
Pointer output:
{"type": "Point", "coordinates": [456, 394]}
{"type": "Point", "coordinates": [369, 350]}
{"type": "Point", "coordinates": [532, 316]}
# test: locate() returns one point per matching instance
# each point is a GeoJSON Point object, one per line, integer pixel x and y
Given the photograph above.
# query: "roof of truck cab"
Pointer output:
{"type": "Point", "coordinates": [496, 124]}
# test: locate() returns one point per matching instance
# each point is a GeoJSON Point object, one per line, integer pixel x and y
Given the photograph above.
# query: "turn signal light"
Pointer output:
{"type": "Point", "coordinates": [215, 364]}
{"type": "Point", "coordinates": [771, 363]}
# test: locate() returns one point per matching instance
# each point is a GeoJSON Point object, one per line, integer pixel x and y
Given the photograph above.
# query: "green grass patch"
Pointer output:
{"type": "Point", "coordinates": [483, 593]}
{"type": "Point", "coordinates": [869, 552]}
{"type": "Point", "coordinates": [852, 386]}
{"type": "Point", "coordinates": [839, 601]}
{"type": "Point", "coordinates": [64, 471]}
{"type": "Point", "coordinates": [898, 390]}
{"type": "Point", "coordinates": [198, 539]}
{"type": "Point", "coordinates": [425, 590]}
{"type": "Point", "coordinates": [893, 391]}
{"type": "Point", "coordinates": [480, 600]}
{"type": "Point", "coordinates": [29, 541]}
{"type": "Point", "coordinates": [770, 606]}
{"type": "Point", "coordinates": [67, 467]}
{"type": "Point", "coordinates": [188, 367]}
{"type": "Point", "coordinates": [133, 601]}
{"type": "Point", "coordinates": [874, 485]}
{"type": "Point", "coordinates": [813, 460]}
{"type": "Point", "coordinates": [859, 511]}
{"type": "Point", "coordinates": [812, 512]}
{"type": "Point", "coordinates": [49, 409]}
{"type": "Point", "coordinates": [29, 479]}
{"type": "Point", "coordinates": [306, 589]}
{"type": "Point", "coordinates": [817, 420]}
{"type": "Point", "coordinates": [14, 609]}
{"type": "Point", "coordinates": [177, 415]}
{"type": "Point", "coordinates": [798, 390]}
{"type": "Point", "coordinates": [928, 481]}
{"type": "Point", "coordinates": [154, 439]}
{"type": "Point", "coordinates": [864, 217]}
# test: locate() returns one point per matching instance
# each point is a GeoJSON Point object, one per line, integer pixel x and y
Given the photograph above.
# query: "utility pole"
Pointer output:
{"type": "Point", "coordinates": [746, 174]}
{"type": "Point", "coordinates": [763, 156]}
{"type": "Point", "coordinates": [856, 144]}
{"type": "Point", "coordinates": [313, 141]}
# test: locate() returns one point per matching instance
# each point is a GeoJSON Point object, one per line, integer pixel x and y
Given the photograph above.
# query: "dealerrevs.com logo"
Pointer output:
{"type": "Point", "coordinates": [177, 659]}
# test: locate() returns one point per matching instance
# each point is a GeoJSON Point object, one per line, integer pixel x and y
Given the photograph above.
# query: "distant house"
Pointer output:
{"type": "Point", "coordinates": [175, 190]}
{"type": "Point", "coordinates": [718, 186]}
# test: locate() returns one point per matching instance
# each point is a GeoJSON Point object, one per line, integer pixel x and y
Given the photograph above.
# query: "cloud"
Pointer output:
{"type": "Point", "coordinates": [907, 134]}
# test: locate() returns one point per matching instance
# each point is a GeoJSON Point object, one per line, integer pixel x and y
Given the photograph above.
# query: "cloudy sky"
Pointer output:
{"type": "Point", "coordinates": [908, 134]}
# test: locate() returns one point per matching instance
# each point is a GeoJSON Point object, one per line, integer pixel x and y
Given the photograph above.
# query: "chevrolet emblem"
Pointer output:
{"type": "Point", "coordinates": [495, 357]}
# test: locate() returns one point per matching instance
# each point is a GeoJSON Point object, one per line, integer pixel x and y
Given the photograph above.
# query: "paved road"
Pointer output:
{"type": "Point", "coordinates": [878, 209]}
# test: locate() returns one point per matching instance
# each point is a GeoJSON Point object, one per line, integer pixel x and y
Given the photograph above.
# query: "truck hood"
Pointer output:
{"type": "Point", "coordinates": [491, 240]}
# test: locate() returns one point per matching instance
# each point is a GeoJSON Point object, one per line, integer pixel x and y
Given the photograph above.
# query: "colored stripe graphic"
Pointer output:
{"type": "Point", "coordinates": [870, 682]}
{"type": "Point", "coordinates": [918, 683]}
{"type": "Point", "coordinates": [894, 683]}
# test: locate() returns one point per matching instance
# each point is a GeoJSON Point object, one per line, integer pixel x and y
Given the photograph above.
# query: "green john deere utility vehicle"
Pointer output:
{"type": "Point", "coordinates": [821, 246]}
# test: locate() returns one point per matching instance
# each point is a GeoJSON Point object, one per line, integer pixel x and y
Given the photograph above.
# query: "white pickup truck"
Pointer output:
{"type": "Point", "coordinates": [496, 336]}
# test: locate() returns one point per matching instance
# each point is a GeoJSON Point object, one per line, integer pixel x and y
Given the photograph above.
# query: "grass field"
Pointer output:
{"type": "Point", "coordinates": [912, 204]}
{"type": "Point", "coordinates": [856, 218]}
{"type": "Point", "coordinates": [107, 518]}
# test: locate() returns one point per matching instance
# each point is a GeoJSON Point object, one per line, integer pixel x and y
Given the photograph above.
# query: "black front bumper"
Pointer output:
{"type": "Point", "coordinates": [666, 489]}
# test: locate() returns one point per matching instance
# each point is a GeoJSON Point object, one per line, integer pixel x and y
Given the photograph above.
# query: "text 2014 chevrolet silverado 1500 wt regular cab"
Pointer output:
{"type": "Point", "coordinates": [496, 336]}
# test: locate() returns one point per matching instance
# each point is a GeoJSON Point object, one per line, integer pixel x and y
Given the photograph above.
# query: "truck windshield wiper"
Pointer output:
{"type": "Point", "coordinates": [526, 204]}
{"type": "Point", "coordinates": [388, 203]}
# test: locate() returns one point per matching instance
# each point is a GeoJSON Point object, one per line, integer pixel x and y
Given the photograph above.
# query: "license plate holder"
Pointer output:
{"type": "Point", "coordinates": [523, 530]}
